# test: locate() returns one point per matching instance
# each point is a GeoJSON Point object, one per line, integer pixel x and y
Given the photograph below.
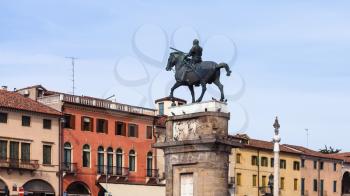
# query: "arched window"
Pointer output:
{"type": "Point", "coordinates": [100, 160]}
{"type": "Point", "coordinates": [86, 155]}
{"type": "Point", "coordinates": [67, 157]}
{"type": "Point", "coordinates": [132, 160]}
{"type": "Point", "coordinates": [119, 161]}
{"type": "Point", "coordinates": [109, 160]}
{"type": "Point", "coordinates": [149, 164]}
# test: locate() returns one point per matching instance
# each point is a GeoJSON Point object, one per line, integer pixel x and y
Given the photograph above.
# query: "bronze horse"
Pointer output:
{"type": "Point", "coordinates": [203, 73]}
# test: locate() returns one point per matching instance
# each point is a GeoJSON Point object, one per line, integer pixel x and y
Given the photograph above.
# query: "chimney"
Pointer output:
{"type": "Point", "coordinates": [4, 88]}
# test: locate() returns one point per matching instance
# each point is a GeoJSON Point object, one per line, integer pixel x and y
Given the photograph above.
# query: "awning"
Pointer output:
{"type": "Point", "coordinates": [134, 190]}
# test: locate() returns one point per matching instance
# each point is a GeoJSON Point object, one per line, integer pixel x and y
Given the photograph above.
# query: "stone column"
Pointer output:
{"type": "Point", "coordinates": [276, 150]}
{"type": "Point", "coordinates": [196, 149]}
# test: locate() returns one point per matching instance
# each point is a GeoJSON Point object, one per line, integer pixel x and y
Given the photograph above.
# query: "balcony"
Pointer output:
{"type": "Point", "coordinates": [69, 168]}
{"type": "Point", "coordinates": [112, 170]}
{"type": "Point", "coordinates": [152, 173]}
{"type": "Point", "coordinates": [19, 164]}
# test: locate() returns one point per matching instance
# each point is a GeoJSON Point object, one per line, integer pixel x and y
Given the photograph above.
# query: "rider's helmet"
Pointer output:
{"type": "Point", "coordinates": [195, 42]}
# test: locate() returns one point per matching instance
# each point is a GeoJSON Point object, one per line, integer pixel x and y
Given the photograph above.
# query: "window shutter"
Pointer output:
{"type": "Point", "coordinates": [91, 124]}
{"type": "Point", "coordinates": [72, 122]}
{"type": "Point", "coordinates": [136, 131]}
{"type": "Point", "coordinates": [82, 123]}
{"type": "Point", "coordinates": [106, 126]}
{"type": "Point", "coordinates": [124, 129]}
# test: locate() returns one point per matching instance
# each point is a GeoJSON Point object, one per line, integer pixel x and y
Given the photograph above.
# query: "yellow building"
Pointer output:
{"type": "Point", "coordinates": [251, 166]}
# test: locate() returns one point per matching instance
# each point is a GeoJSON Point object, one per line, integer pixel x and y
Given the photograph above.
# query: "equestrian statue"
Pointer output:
{"type": "Point", "coordinates": [195, 72]}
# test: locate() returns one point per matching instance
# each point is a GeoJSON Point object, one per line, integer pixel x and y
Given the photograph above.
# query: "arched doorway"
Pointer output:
{"type": "Point", "coordinates": [78, 189]}
{"type": "Point", "coordinates": [346, 184]}
{"type": "Point", "coordinates": [38, 188]}
{"type": "Point", "coordinates": [3, 188]}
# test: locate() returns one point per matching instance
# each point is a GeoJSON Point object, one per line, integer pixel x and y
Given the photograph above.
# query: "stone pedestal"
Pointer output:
{"type": "Point", "coordinates": [197, 149]}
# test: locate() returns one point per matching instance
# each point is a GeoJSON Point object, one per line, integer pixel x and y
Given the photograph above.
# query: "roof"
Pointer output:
{"type": "Point", "coordinates": [16, 101]}
{"type": "Point", "coordinates": [170, 99]}
{"type": "Point", "coordinates": [34, 86]}
{"type": "Point", "coordinates": [309, 152]}
{"type": "Point", "coordinates": [269, 146]}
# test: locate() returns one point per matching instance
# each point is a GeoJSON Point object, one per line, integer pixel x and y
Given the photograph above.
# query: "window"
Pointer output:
{"type": "Point", "coordinates": [303, 186]}
{"type": "Point", "coordinates": [109, 160]}
{"type": "Point", "coordinates": [315, 185]}
{"type": "Point", "coordinates": [264, 161]}
{"type": "Point", "coordinates": [14, 150]}
{"type": "Point", "coordinates": [3, 150]}
{"type": "Point", "coordinates": [321, 187]}
{"type": "Point", "coordinates": [86, 155]}
{"type": "Point", "coordinates": [25, 152]}
{"type": "Point", "coordinates": [282, 182]}
{"type": "Point", "coordinates": [87, 123]}
{"type": "Point", "coordinates": [69, 121]}
{"type": "Point", "coordinates": [283, 164]}
{"type": "Point", "coordinates": [321, 165]}
{"type": "Point", "coordinates": [149, 132]}
{"type": "Point", "coordinates": [254, 160]}
{"type": "Point", "coordinates": [120, 128]}
{"type": "Point", "coordinates": [161, 108]}
{"type": "Point", "coordinates": [334, 186]}
{"type": "Point", "coordinates": [295, 184]}
{"type": "Point", "coordinates": [47, 154]}
{"type": "Point", "coordinates": [100, 160]}
{"type": "Point", "coordinates": [254, 180]}
{"type": "Point", "coordinates": [133, 130]}
{"type": "Point", "coordinates": [302, 163]}
{"type": "Point", "coordinates": [26, 121]}
{"type": "Point", "coordinates": [272, 162]}
{"type": "Point", "coordinates": [46, 123]}
{"type": "Point", "coordinates": [238, 158]}
{"type": "Point", "coordinates": [132, 160]}
{"type": "Point", "coordinates": [334, 166]}
{"type": "Point", "coordinates": [3, 117]}
{"type": "Point", "coordinates": [296, 165]}
{"type": "Point", "coordinates": [239, 179]}
{"type": "Point", "coordinates": [149, 164]}
{"type": "Point", "coordinates": [102, 126]}
{"type": "Point", "coordinates": [315, 164]}
{"type": "Point", "coordinates": [67, 159]}
{"type": "Point", "coordinates": [119, 161]}
{"type": "Point", "coordinates": [263, 181]}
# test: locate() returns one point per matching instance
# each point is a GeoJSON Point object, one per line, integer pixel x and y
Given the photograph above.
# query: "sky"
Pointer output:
{"type": "Point", "coordinates": [289, 58]}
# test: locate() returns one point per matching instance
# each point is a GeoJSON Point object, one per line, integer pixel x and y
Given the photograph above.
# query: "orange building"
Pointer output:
{"type": "Point", "coordinates": [103, 141]}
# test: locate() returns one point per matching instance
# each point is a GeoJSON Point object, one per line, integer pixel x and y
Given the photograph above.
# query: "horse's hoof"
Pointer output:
{"type": "Point", "coordinates": [229, 73]}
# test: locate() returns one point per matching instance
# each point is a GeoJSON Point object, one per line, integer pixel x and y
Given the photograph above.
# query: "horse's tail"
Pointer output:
{"type": "Point", "coordinates": [227, 68]}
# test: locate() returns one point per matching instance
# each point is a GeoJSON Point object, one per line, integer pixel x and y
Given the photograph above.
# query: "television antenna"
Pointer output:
{"type": "Point", "coordinates": [73, 72]}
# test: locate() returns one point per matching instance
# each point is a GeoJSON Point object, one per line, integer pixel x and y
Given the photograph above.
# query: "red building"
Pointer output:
{"type": "Point", "coordinates": [103, 141]}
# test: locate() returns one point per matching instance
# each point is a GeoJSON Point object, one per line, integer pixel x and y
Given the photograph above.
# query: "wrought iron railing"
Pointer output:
{"type": "Point", "coordinates": [152, 173]}
{"type": "Point", "coordinates": [69, 167]}
{"type": "Point", "coordinates": [112, 170]}
{"type": "Point", "coordinates": [19, 164]}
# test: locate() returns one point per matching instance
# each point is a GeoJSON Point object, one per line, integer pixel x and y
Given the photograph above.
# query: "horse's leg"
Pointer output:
{"type": "Point", "coordinates": [221, 88]}
{"type": "Point", "coordinates": [176, 85]}
{"type": "Point", "coordinates": [192, 92]}
{"type": "Point", "coordinates": [204, 88]}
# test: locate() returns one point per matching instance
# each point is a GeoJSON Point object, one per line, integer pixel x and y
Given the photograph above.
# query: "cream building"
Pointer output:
{"type": "Point", "coordinates": [29, 146]}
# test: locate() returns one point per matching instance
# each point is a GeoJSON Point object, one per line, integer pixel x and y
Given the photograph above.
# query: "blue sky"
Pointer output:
{"type": "Point", "coordinates": [290, 58]}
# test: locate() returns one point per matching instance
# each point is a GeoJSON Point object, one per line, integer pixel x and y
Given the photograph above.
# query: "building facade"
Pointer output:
{"type": "Point", "coordinates": [103, 142]}
{"type": "Point", "coordinates": [321, 174]}
{"type": "Point", "coordinates": [252, 165]}
{"type": "Point", "coordinates": [29, 146]}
